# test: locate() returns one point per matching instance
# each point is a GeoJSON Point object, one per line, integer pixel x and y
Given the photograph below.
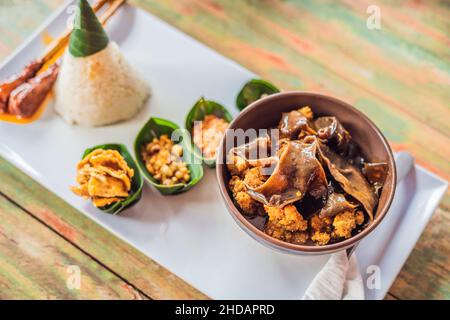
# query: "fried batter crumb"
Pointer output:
{"type": "Point", "coordinates": [245, 202]}
{"type": "Point", "coordinates": [299, 237]}
{"type": "Point", "coordinates": [276, 231]}
{"type": "Point", "coordinates": [320, 224]}
{"type": "Point", "coordinates": [321, 238]}
{"type": "Point", "coordinates": [343, 224]}
{"type": "Point", "coordinates": [236, 165]}
{"type": "Point", "coordinates": [286, 224]}
{"type": "Point", "coordinates": [320, 229]}
{"type": "Point", "coordinates": [287, 217]}
{"type": "Point", "coordinates": [253, 177]}
{"type": "Point", "coordinates": [307, 112]}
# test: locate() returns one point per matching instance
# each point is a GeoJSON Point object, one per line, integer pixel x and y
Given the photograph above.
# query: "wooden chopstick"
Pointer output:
{"type": "Point", "coordinates": [111, 10]}
{"type": "Point", "coordinates": [61, 42]}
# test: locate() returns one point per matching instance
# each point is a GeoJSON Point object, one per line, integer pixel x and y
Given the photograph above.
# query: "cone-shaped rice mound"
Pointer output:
{"type": "Point", "coordinates": [96, 85]}
{"type": "Point", "coordinates": [99, 89]}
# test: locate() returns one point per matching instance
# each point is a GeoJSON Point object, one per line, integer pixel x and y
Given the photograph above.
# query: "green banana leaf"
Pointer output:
{"type": "Point", "coordinates": [137, 182]}
{"type": "Point", "coordinates": [88, 36]}
{"type": "Point", "coordinates": [198, 112]}
{"type": "Point", "coordinates": [154, 128]}
{"type": "Point", "coordinates": [254, 90]}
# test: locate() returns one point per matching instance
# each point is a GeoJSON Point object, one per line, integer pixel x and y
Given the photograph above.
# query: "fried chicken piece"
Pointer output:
{"type": "Point", "coordinates": [245, 202]}
{"type": "Point", "coordinates": [237, 185]}
{"type": "Point", "coordinates": [287, 217]}
{"type": "Point", "coordinates": [236, 165]}
{"type": "Point", "coordinates": [320, 224]}
{"type": "Point", "coordinates": [286, 224]}
{"type": "Point", "coordinates": [253, 177]}
{"type": "Point", "coordinates": [321, 238]}
{"type": "Point", "coordinates": [275, 230]}
{"type": "Point", "coordinates": [320, 229]}
{"type": "Point", "coordinates": [299, 237]}
{"type": "Point", "coordinates": [306, 112]}
{"type": "Point", "coordinates": [344, 223]}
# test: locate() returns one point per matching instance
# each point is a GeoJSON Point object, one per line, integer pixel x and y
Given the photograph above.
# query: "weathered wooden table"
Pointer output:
{"type": "Point", "coordinates": [398, 75]}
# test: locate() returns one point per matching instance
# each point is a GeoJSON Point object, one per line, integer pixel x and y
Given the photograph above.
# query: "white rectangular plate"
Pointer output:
{"type": "Point", "coordinates": [192, 234]}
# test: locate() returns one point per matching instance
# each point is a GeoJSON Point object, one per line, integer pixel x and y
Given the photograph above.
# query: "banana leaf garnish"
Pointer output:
{"type": "Point", "coordinates": [198, 112]}
{"type": "Point", "coordinates": [254, 90]}
{"type": "Point", "coordinates": [88, 36]}
{"type": "Point", "coordinates": [154, 128]}
{"type": "Point", "coordinates": [137, 182]}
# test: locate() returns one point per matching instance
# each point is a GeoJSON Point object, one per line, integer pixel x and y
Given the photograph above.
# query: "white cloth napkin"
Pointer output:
{"type": "Point", "coordinates": [339, 279]}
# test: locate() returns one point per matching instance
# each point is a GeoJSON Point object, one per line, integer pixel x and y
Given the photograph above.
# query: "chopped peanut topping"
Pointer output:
{"type": "Point", "coordinates": [163, 160]}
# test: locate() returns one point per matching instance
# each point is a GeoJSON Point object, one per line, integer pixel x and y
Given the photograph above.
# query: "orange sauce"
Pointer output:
{"type": "Point", "coordinates": [24, 120]}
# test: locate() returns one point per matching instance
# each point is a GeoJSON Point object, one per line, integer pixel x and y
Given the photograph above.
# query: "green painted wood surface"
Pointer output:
{"type": "Point", "coordinates": [34, 263]}
{"type": "Point", "coordinates": [399, 76]}
{"type": "Point", "coordinates": [128, 263]}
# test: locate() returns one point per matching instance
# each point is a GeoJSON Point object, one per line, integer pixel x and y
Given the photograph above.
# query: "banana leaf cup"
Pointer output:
{"type": "Point", "coordinates": [198, 112]}
{"type": "Point", "coordinates": [137, 182]}
{"type": "Point", "coordinates": [254, 90]}
{"type": "Point", "coordinates": [154, 128]}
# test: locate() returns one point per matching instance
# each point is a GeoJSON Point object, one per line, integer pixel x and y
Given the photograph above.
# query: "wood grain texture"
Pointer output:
{"type": "Point", "coordinates": [426, 274]}
{"type": "Point", "coordinates": [127, 262]}
{"type": "Point", "coordinates": [34, 263]}
{"type": "Point", "coordinates": [399, 76]}
{"type": "Point", "coordinates": [390, 297]}
{"type": "Point", "coordinates": [325, 46]}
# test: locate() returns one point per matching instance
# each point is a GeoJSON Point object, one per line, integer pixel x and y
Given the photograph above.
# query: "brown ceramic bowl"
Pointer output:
{"type": "Point", "coordinates": [265, 113]}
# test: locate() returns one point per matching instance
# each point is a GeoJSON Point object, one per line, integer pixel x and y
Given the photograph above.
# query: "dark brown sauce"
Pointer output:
{"type": "Point", "coordinates": [258, 221]}
{"type": "Point", "coordinates": [345, 172]}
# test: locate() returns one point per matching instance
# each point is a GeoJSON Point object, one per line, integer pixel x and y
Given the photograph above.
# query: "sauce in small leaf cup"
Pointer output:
{"type": "Point", "coordinates": [199, 111]}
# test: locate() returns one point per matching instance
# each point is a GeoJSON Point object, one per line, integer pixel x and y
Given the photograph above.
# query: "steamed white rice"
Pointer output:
{"type": "Point", "coordinates": [99, 89]}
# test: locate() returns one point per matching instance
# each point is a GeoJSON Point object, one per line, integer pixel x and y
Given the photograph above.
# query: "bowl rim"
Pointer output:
{"type": "Point", "coordinates": [290, 247]}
